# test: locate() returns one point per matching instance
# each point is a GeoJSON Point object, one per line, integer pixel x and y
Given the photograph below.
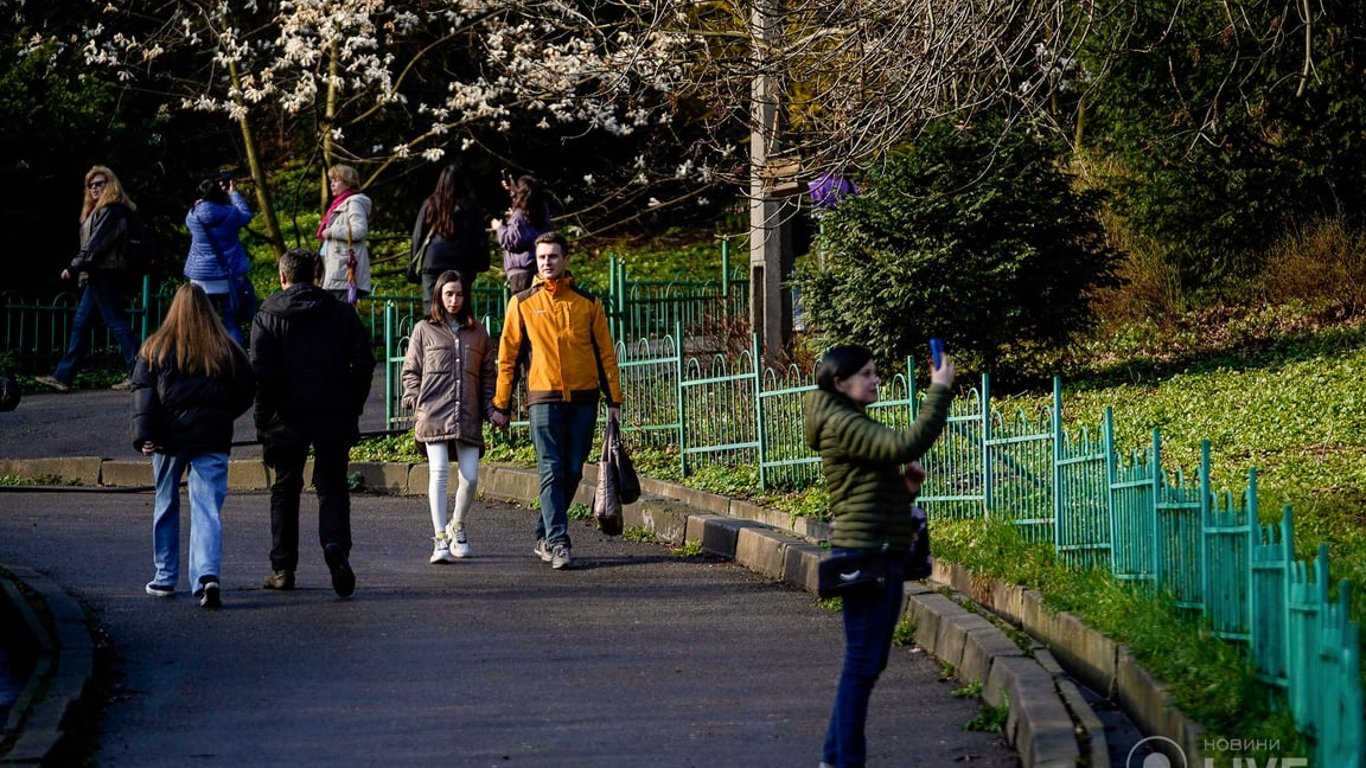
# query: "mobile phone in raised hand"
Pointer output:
{"type": "Point", "coordinates": [937, 352]}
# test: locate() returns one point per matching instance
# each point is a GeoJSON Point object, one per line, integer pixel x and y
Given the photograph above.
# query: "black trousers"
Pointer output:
{"type": "Point", "coordinates": [286, 462]}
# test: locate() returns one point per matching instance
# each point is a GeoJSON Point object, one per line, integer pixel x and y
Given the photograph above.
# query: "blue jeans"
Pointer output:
{"type": "Point", "coordinates": [563, 435]}
{"type": "Point", "coordinates": [208, 488]}
{"type": "Point", "coordinates": [102, 293]}
{"type": "Point", "coordinates": [869, 619]}
{"type": "Point", "coordinates": [232, 321]}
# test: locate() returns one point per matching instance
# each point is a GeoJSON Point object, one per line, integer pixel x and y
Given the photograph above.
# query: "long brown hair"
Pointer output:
{"type": "Point", "coordinates": [529, 198]}
{"type": "Point", "coordinates": [194, 334]}
{"type": "Point", "coordinates": [113, 192]}
{"type": "Point", "coordinates": [450, 194]}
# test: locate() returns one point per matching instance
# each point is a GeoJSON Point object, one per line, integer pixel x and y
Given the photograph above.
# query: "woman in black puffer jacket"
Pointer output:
{"type": "Point", "coordinates": [872, 476]}
{"type": "Point", "coordinates": [190, 383]}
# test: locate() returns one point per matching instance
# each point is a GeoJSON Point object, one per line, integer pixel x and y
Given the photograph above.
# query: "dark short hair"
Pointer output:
{"type": "Point", "coordinates": [211, 190]}
{"type": "Point", "coordinates": [841, 362]}
{"type": "Point", "coordinates": [299, 265]}
{"type": "Point", "coordinates": [438, 314]}
{"type": "Point", "coordinates": [554, 238]}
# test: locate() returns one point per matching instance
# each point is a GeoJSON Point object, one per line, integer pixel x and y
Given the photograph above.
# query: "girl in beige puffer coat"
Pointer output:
{"type": "Point", "coordinates": [449, 376]}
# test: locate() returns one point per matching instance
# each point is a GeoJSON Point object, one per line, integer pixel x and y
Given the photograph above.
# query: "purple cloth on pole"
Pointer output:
{"type": "Point", "coordinates": [829, 189]}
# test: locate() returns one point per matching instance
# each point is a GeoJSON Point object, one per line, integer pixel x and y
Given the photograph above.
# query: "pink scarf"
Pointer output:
{"type": "Point", "coordinates": [327, 217]}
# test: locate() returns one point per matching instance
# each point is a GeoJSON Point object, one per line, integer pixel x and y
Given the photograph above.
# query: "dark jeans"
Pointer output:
{"type": "Point", "coordinates": [563, 435]}
{"type": "Point", "coordinates": [286, 461]}
{"type": "Point", "coordinates": [869, 619]}
{"type": "Point", "coordinates": [102, 293]}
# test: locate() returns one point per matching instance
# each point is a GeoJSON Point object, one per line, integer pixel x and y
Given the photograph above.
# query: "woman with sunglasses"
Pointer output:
{"type": "Point", "coordinates": [99, 268]}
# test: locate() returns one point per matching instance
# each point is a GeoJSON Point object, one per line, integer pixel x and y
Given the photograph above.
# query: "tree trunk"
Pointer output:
{"type": "Point", "coordinates": [264, 203]}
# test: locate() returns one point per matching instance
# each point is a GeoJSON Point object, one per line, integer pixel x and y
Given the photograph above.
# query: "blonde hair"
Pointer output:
{"type": "Point", "coordinates": [193, 332]}
{"type": "Point", "coordinates": [345, 174]}
{"type": "Point", "coordinates": [113, 192]}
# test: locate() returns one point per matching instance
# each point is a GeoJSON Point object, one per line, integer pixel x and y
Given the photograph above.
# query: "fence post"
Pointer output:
{"type": "Point", "coordinates": [986, 447]}
{"type": "Point", "coordinates": [146, 304]}
{"type": "Point", "coordinates": [1205, 524]}
{"type": "Point", "coordinates": [725, 267]}
{"type": "Point", "coordinates": [389, 311]}
{"type": "Point", "coordinates": [1056, 427]}
{"type": "Point", "coordinates": [759, 409]}
{"type": "Point", "coordinates": [1155, 531]}
{"type": "Point", "coordinates": [1111, 477]}
{"type": "Point", "coordinates": [682, 411]}
{"type": "Point", "coordinates": [1254, 531]}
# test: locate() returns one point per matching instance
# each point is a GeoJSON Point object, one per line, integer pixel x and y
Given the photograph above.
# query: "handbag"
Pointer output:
{"type": "Point", "coordinates": [919, 562]}
{"type": "Point", "coordinates": [628, 482]}
{"type": "Point", "coordinates": [606, 502]}
{"type": "Point", "coordinates": [851, 572]}
{"type": "Point", "coordinates": [240, 301]}
{"type": "Point", "coordinates": [418, 259]}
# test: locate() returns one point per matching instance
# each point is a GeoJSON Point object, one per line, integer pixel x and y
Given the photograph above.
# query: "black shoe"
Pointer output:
{"type": "Point", "coordinates": [281, 580]}
{"type": "Point", "coordinates": [343, 579]}
{"type": "Point", "coordinates": [209, 597]}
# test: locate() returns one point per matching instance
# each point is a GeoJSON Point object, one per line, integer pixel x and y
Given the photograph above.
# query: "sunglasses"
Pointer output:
{"type": "Point", "coordinates": [97, 184]}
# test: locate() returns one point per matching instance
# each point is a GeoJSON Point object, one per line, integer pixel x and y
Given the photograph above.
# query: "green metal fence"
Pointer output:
{"type": "Point", "coordinates": [1159, 529]}
{"type": "Point", "coordinates": [38, 332]}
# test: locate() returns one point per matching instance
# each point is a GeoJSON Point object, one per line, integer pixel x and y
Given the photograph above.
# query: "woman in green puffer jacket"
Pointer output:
{"type": "Point", "coordinates": [872, 477]}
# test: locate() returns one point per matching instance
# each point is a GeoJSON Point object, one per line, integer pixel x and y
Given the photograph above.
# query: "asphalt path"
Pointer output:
{"type": "Point", "coordinates": [634, 657]}
{"type": "Point", "coordinates": [94, 422]}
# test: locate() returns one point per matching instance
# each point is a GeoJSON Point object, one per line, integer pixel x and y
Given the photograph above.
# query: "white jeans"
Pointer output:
{"type": "Point", "coordinates": [439, 470]}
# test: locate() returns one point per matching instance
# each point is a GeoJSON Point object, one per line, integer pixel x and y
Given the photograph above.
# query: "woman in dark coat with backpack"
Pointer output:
{"type": "Point", "coordinates": [190, 384]}
{"type": "Point", "coordinates": [449, 235]}
{"type": "Point", "coordinates": [872, 476]}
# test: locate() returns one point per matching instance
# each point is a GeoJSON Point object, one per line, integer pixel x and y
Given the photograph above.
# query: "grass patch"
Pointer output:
{"type": "Point", "coordinates": [1210, 680]}
{"type": "Point", "coordinates": [692, 548]}
{"type": "Point", "coordinates": [577, 511]}
{"type": "Point", "coordinates": [904, 634]}
{"type": "Point", "coordinates": [639, 535]}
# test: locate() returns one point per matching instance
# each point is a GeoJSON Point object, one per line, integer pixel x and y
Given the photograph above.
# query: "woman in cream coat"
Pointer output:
{"type": "Point", "coordinates": [343, 231]}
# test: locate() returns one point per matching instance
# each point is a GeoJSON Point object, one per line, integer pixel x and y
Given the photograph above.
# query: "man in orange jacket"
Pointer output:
{"type": "Point", "coordinates": [561, 331]}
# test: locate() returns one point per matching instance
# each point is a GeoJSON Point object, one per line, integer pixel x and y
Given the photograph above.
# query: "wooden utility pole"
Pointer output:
{"type": "Point", "coordinates": [770, 241]}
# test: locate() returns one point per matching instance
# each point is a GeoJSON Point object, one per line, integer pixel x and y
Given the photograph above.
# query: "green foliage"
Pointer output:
{"type": "Point", "coordinates": [1290, 406]}
{"type": "Point", "coordinates": [972, 690]}
{"type": "Point", "coordinates": [399, 448]}
{"type": "Point", "coordinates": [1210, 682]}
{"type": "Point", "coordinates": [904, 634]}
{"type": "Point", "coordinates": [737, 482]}
{"type": "Point", "coordinates": [639, 535]}
{"type": "Point", "coordinates": [689, 548]}
{"type": "Point", "coordinates": [1215, 141]}
{"type": "Point", "coordinates": [990, 719]}
{"type": "Point", "coordinates": [579, 511]}
{"type": "Point", "coordinates": [972, 235]}
{"type": "Point", "coordinates": [355, 481]}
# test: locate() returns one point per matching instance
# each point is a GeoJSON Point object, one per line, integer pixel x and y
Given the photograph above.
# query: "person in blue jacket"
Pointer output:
{"type": "Point", "coordinates": [216, 252]}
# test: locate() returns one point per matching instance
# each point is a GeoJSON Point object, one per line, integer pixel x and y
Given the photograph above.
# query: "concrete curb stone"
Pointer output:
{"type": "Point", "coordinates": [53, 707]}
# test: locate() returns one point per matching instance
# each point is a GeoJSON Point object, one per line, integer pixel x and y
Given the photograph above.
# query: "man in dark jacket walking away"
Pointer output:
{"type": "Point", "coordinates": [313, 364]}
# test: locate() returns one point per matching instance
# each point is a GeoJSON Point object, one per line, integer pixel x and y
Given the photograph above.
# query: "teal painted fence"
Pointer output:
{"type": "Point", "coordinates": [1155, 527]}
{"type": "Point", "coordinates": [37, 332]}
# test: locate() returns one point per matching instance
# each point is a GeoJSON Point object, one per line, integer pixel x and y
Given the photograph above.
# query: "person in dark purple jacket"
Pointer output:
{"type": "Point", "coordinates": [528, 219]}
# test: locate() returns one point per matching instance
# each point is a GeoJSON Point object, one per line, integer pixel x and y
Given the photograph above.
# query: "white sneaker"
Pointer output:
{"type": "Point", "coordinates": [441, 552]}
{"type": "Point", "coordinates": [460, 545]}
{"type": "Point", "coordinates": [559, 557]}
{"type": "Point", "coordinates": [542, 551]}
